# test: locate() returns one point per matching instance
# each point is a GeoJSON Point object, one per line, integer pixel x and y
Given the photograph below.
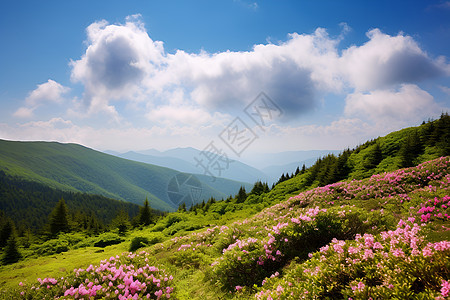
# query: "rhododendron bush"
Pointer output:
{"type": "Point", "coordinates": [122, 277]}
{"type": "Point", "coordinates": [396, 264]}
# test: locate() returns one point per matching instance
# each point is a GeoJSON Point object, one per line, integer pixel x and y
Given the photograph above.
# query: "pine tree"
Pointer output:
{"type": "Point", "coordinates": [411, 148]}
{"type": "Point", "coordinates": [342, 168]}
{"type": "Point", "coordinates": [145, 216]}
{"type": "Point", "coordinates": [121, 221]}
{"type": "Point", "coordinates": [374, 157]}
{"type": "Point", "coordinates": [6, 231]}
{"type": "Point", "coordinates": [11, 254]}
{"type": "Point", "coordinates": [242, 195]}
{"type": "Point", "coordinates": [58, 218]}
{"type": "Point", "coordinates": [182, 207]}
{"type": "Point", "coordinates": [303, 169]}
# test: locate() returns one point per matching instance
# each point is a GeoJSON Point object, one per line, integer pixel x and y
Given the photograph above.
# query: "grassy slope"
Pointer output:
{"type": "Point", "coordinates": [189, 268]}
{"type": "Point", "coordinates": [389, 144]}
{"type": "Point", "coordinates": [76, 168]}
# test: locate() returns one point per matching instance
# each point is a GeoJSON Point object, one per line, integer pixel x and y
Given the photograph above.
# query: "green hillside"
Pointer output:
{"type": "Point", "coordinates": [399, 149]}
{"type": "Point", "coordinates": [72, 167]}
{"type": "Point", "coordinates": [30, 203]}
{"type": "Point", "coordinates": [356, 239]}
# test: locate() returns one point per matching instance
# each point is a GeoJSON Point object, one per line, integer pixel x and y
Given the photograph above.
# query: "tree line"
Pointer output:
{"type": "Point", "coordinates": [61, 220]}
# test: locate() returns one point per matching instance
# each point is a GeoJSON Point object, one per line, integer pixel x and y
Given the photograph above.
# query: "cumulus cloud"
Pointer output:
{"type": "Point", "coordinates": [400, 106]}
{"type": "Point", "coordinates": [122, 62]}
{"type": "Point", "coordinates": [388, 60]}
{"type": "Point", "coordinates": [48, 92]}
{"type": "Point", "coordinates": [293, 73]}
{"type": "Point", "coordinates": [117, 59]}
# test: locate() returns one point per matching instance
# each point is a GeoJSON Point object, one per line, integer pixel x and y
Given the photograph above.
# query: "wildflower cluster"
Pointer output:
{"type": "Point", "coordinates": [248, 261]}
{"type": "Point", "coordinates": [393, 264]}
{"type": "Point", "coordinates": [435, 208]}
{"type": "Point", "coordinates": [120, 277]}
{"type": "Point", "coordinates": [430, 174]}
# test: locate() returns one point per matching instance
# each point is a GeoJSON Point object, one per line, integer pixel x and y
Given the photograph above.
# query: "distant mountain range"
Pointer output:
{"type": "Point", "coordinates": [270, 165]}
{"type": "Point", "coordinates": [72, 167]}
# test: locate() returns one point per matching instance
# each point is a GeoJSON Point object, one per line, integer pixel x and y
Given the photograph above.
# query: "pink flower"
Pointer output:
{"type": "Point", "coordinates": [445, 290]}
{"type": "Point", "coordinates": [427, 251]}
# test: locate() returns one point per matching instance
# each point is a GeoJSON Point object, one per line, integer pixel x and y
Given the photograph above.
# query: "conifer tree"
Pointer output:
{"type": "Point", "coordinates": [303, 169]}
{"type": "Point", "coordinates": [6, 231]}
{"type": "Point", "coordinates": [145, 216]}
{"type": "Point", "coordinates": [121, 221]}
{"type": "Point", "coordinates": [374, 157]}
{"type": "Point", "coordinates": [242, 195]}
{"type": "Point", "coordinates": [11, 254]}
{"type": "Point", "coordinates": [58, 218]}
{"type": "Point", "coordinates": [411, 148]}
{"type": "Point", "coordinates": [182, 207]}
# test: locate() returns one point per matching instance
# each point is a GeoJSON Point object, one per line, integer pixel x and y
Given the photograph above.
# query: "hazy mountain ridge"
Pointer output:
{"type": "Point", "coordinates": [270, 165]}
{"type": "Point", "coordinates": [73, 167]}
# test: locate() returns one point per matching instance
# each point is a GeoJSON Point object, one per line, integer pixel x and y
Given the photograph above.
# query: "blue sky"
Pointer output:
{"type": "Point", "coordinates": [134, 75]}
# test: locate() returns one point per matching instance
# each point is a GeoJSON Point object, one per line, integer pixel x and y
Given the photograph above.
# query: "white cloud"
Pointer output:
{"type": "Point", "coordinates": [24, 112]}
{"type": "Point", "coordinates": [407, 105]}
{"type": "Point", "coordinates": [117, 59]}
{"type": "Point", "coordinates": [117, 138]}
{"type": "Point", "coordinates": [292, 73]}
{"type": "Point", "coordinates": [182, 97]}
{"type": "Point", "coordinates": [123, 63]}
{"type": "Point", "coordinates": [184, 115]}
{"type": "Point", "coordinates": [48, 92]}
{"type": "Point", "coordinates": [388, 60]}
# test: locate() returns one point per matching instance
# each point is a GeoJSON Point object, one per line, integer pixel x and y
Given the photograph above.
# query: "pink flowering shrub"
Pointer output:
{"type": "Point", "coordinates": [248, 261]}
{"type": "Point", "coordinates": [432, 174]}
{"type": "Point", "coordinates": [191, 255]}
{"type": "Point", "coordinates": [121, 277]}
{"type": "Point", "coordinates": [437, 208]}
{"type": "Point", "coordinates": [396, 264]}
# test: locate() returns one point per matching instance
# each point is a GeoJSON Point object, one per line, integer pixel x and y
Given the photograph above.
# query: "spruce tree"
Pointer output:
{"type": "Point", "coordinates": [6, 231]}
{"type": "Point", "coordinates": [182, 207]}
{"type": "Point", "coordinates": [242, 195]}
{"type": "Point", "coordinates": [145, 216]}
{"type": "Point", "coordinates": [58, 218]}
{"type": "Point", "coordinates": [303, 169]}
{"type": "Point", "coordinates": [121, 221]}
{"type": "Point", "coordinates": [374, 157]}
{"type": "Point", "coordinates": [411, 148]}
{"type": "Point", "coordinates": [11, 254]}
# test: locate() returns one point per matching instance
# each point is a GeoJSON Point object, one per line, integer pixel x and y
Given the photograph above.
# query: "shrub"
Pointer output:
{"type": "Point", "coordinates": [138, 242]}
{"type": "Point", "coordinates": [155, 238]}
{"type": "Point", "coordinates": [122, 277]}
{"type": "Point", "coordinates": [392, 265]}
{"type": "Point", "coordinates": [50, 247]}
{"type": "Point", "coordinates": [108, 239]}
